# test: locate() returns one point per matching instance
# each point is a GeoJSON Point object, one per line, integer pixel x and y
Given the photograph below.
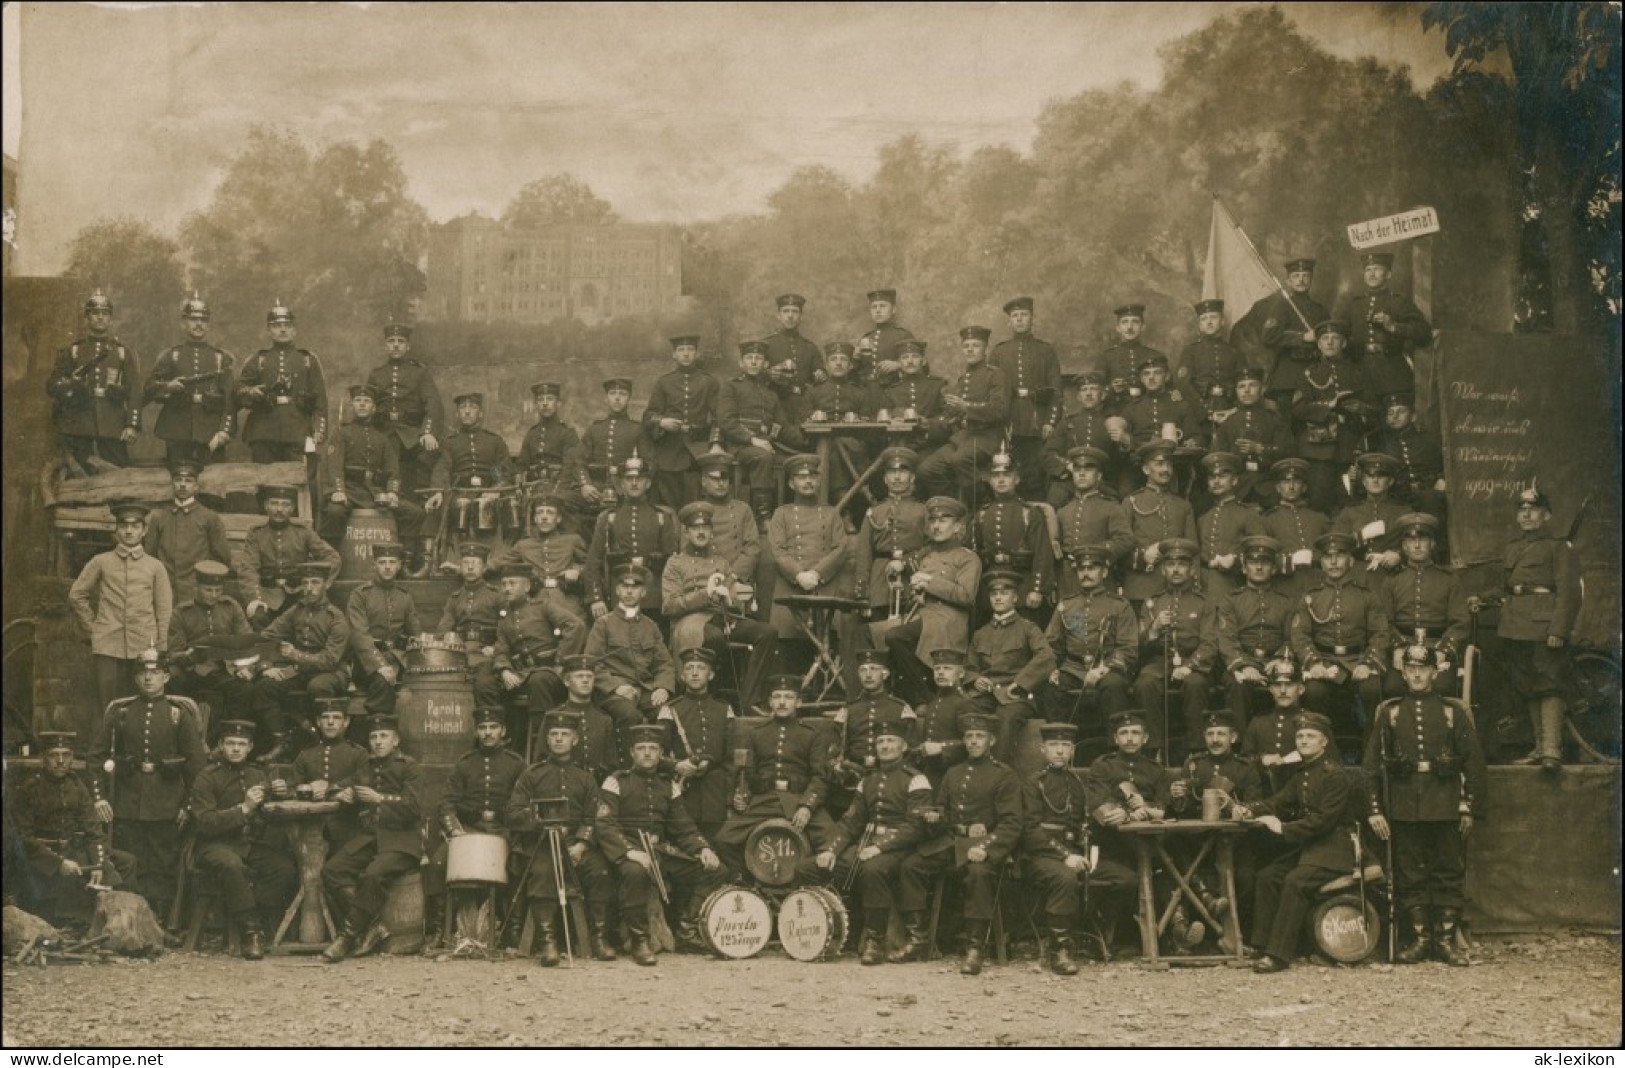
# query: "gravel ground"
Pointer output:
{"type": "Point", "coordinates": [1539, 991]}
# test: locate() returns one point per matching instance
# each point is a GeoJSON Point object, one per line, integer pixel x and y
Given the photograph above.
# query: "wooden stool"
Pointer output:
{"type": "Point", "coordinates": [995, 932]}
{"type": "Point", "coordinates": [206, 907]}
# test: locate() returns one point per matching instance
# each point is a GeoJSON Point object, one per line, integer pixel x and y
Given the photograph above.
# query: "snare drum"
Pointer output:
{"type": "Point", "coordinates": [812, 924]}
{"type": "Point", "coordinates": [476, 859]}
{"type": "Point", "coordinates": [736, 922]}
{"type": "Point", "coordinates": [773, 850]}
{"type": "Point", "coordinates": [1346, 929]}
{"type": "Point", "coordinates": [429, 654]}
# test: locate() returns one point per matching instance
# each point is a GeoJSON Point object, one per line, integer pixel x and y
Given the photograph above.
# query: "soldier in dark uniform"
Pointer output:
{"type": "Point", "coordinates": [253, 871]}
{"type": "Point", "coordinates": [1085, 425]}
{"type": "Point", "coordinates": [841, 398]}
{"type": "Point", "coordinates": [1434, 783]}
{"type": "Point", "coordinates": [645, 800]}
{"type": "Point", "coordinates": [1132, 779]}
{"type": "Point", "coordinates": [878, 346]}
{"type": "Point", "coordinates": [195, 658]}
{"type": "Point", "coordinates": [636, 674]}
{"type": "Point", "coordinates": [1121, 361]}
{"type": "Point", "coordinates": [476, 799]}
{"type": "Point", "coordinates": [473, 462]}
{"type": "Point", "coordinates": [364, 471]}
{"type": "Point", "coordinates": [601, 745]}
{"type": "Point", "coordinates": [1208, 366]}
{"type": "Point", "coordinates": [1537, 623]}
{"type": "Point", "coordinates": [410, 405]}
{"type": "Point", "coordinates": [1096, 641]}
{"type": "Point", "coordinates": [1332, 404]}
{"type": "Point", "coordinates": [794, 363]}
{"type": "Point", "coordinates": [1222, 526]}
{"type": "Point", "coordinates": [1295, 525]}
{"type": "Point", "coordinates": [879, 829]}
{"type": "Point", "coordinates": [91, 389]}
{"type": "Point", "coordinates": [1257, 433]}
{"type": "Point", "coordinates": [1253, 624]}
{"type": "Point", "coordinates": [1179, 642]}
{"type": "Point", "coordinates": [916, 395]}
{"type": "Point", "coordinates": [285, 393]}
{"type": "Point", "coordinates": [1032, 372]}
{"type": "Point", "coordinates": [862, 718]}
{"type": "Point", "coordinates": [1010, 533]}
{"type": "Point", "coordinates": [1425, 604]}
{"type": "Point", "coordinates": [680, 423]}
{"type": "Point", "coordinates": [474, 609]}
{"type": "Point", "coordinates": [699, 723]}
{"type": "Point", "coordinates": [698, 599]}
{"type": "Point", "coordinates": [155, 745]}
{"type": "Point", "coordinates": [388, 795]}
{"type": "Point", "coordinates": [557, 794]}
{"type": "Point", "coordinates": [939, 729]}
{"type": "Point", "coordinates": [324, 768]}
{"type": "Point", "coordinates": [1269, 738]}
{"type": "Point", "coordinates": [184, 532]}
{"type": "Point", "coordinates": [750, 418]}
{"type": "Point", "coordinates": [892, 532]}
{"type": "Point", "coordinates": [1056, 851]}
{"type": "Point", "coordinates": [1419, 477]}
{"type": "Point", "coordinates": [1010, 661]}
{"type": "Point", "coordinates": [272, 554]}
{"type": "Point", "coordinates": [1372, 518]}
{"type": "Point", "coordinates": [60, 819]}
{"type": "Point", "coordinates": [979, 405]}
{"type": "Point", "coordinates": [605, 447]}
{"type": "Point", "coordinates": [1312, 813]}
{"type": "Point", "coordinates": [1218, 766]}
{"type": "Point", "coordinates": [1155, 514]}
{"type": "Point", "coordinates": [313, 640]}
{"type": "Point", "coordinates": [636, 531]}
{"type": "Point", "coordinates": [977, 824]}
{"type": "Point", "coordinates": [548, 453]}
{"type": "Point", "coordinates": [383, 615]}
{"type": "Point", "coordinates": [1389, 327]}
{"type": "Point", "coordinates": [523, 672]}
{"type": "Point", "coordinates": [558, 557]}
{"type": "Point", "coordinates": [193, 383]}
{"type": "Point", "coordinates": [1279, 329]}
{"type": "Point", "coordinates": [1158, 407]}
{"type": "Point", "coordinates": [785, 777]}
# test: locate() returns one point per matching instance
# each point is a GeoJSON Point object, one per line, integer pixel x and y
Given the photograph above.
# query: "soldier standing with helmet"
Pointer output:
{"type": "Point", "coordinates": [193, 382]}
{"type": "Point", "coordinates": [91, 388]}
{"type": "Point", "coordinates": [285, 393]}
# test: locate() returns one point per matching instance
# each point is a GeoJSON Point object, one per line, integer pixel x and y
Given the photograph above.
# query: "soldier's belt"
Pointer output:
{"type": "Point", "coordinates": [1522, 590]}
{"type": "Point", "coordinates": [1424, 766]}
{"type": "Point", "coordinates": [1408, 630]}
{"type": "Point", "coordinates": [550, 584]}
{"type": "Point", "coordinates": [281, 400]}
{"type": "Point", "coordinates": [766, 784]}
{"type": "Point", "coordinates": [1340, 650]}
{"type": "Point", "coordinates": [1069, 834]}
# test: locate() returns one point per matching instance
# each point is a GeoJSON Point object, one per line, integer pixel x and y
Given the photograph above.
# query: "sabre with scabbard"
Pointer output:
{"type": "Point", "coordinates": [1388, 846]}
{"type": "Point", "coordinates": [656, 877]}
{"type": "Point", "coordinates": [701, 766]}
{"type": "Point", "coordinates": [716, 588]}
{"type": "Point", "coordinates": [852, 870]}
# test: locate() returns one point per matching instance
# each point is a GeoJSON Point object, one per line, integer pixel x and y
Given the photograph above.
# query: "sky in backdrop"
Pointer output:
{"type": "Point", "coordinates": [673, 113]}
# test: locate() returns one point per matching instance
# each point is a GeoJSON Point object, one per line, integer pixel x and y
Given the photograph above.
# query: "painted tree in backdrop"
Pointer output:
{"type": "Point", "coordinates": [140, 271]}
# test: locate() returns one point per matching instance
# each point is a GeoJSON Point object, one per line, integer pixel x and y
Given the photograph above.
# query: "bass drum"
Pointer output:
{"type": "Point", "coordinates": [1345, 929]}
{"type": "Point", "coordinates": [812, 924]}
{"type": "Point", "coordinates": [477, 860]}
{"type": "Point", "coordinates": [773, 850]}
{"type": "Point", "coordinates": [736, 922]}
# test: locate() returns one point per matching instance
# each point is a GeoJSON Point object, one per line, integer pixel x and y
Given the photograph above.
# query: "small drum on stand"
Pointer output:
{"type": "Point", "coordinates": [432, 654]}
{"type": "Point", "coordinates": [736, 922]}
{"type": "Point", "coordinates": [474, 862]}
{"type": "Point", "coordinates": [773, 850]}
{"type": "Point", "coordinates": [812, 924]}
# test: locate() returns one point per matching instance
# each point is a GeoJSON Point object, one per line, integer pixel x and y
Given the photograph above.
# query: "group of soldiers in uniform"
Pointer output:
{"type": "Point", "coordinates": [1058, 570]}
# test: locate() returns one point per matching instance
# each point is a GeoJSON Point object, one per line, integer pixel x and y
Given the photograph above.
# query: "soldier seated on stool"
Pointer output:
{"type": "Point", "coordinates": [61, 822]}
{"type": "Point", "coordinates": [558, 557]}
{"type": "Point", "coordinates": [312, 640]}
{"type": "Point", "coordinates": [477, 792]}
{"type": "Point", "coordinates": [636, 674]}
{"type": "Point", "coordinates": [193, 655]}
{"type": "Point", "coordinates": [1057, 852]}
{"type": "Point", "coordinates": [1433, 784]}
{"type": "Point", "coordinates": [945, 581]}
{"type": "Point", "coordinates": [1096, 641]}
{"type": "Point", "coordinates": [879, 829]}
{"type": "Point", "coordinates": [699, 742]}
{"type": "Point", "coordinates": [472, 612]}
{"type": "Point", "coordinates": [387, 795]}
{"type": "Point", "coordinates": [785, 777]}
{"type": "Point", "coordinates": [557, 795]}
{"type": "Point", "coordinates": [940, 730]}
{"type": "Point", "coordinates": [256, 876]}
{"type": "Point", "coordinates": [1341, 638]}
{"type": "Point", "coordinates": [1252, 624]}
{"type": "Point", "coordinates": [1222, 527]}
{"type": "Point", "coordinates": [1010, 661]}
{"type": "Point", "coordinates": [1220, 768]}
{"type": "Point", "coordinates": [323, 769]}
{"type": "Point", "coordinates": [1179, 644]}
{"type": "Point", "coordinates": [1311, 814]}
{"type": "Point", "coordinates": [976, 820]}
{"type": "Point", "coordinates": [523, 672]}
{"type": "Point", "coordinates": [645, 799]}
{"type": "Point", "coordinates": [382, 616]}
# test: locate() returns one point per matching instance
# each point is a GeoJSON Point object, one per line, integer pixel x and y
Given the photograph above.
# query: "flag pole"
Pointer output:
{"type": "Point", "coordinates": [1279, 288]}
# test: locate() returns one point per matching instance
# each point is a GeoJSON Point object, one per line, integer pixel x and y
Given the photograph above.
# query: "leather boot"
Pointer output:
{"type": "Point", "coordinates": [1060, 937]}
{"type": "Point", "coordinates": [597, 930]}
{"type": "Point", "coordinates": [279, 747]}
{"type": "Point", "coordinates": [1444, 942]}
{"type": "Point", "coordinates": [253, 940]}
{"type": "Point", "coordinates": [761, 506]}
{"type": "Point", "coordinates": [914, 946]}
{"type": "Point", "coordinates": [1550, 735]}
{"type": "Point", "coordinates": [873, 949]}
{"type": "Point", "coordinates": [975, 943]}
{"type": "Point", "coordinates": [637, 932]}
{"type": "Point", "coordinates": [434, 908]}
{"type": "Point", "coordinates": [1419, 950]}
{"type": "Point", "coordinates": [547, 934]}
{"type": "Point", "coordinates": [373, 940]}
{"type": "Point", "coordinates": [342, 945]}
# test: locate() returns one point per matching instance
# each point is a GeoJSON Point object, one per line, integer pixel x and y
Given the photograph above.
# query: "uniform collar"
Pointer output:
{"type": "Point", "coordinates": [130, 554]}
{"type": "Point", "coordinates": [1006, 619]}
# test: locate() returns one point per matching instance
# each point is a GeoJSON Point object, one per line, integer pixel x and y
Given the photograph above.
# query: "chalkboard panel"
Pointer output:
{"type": "Point", "coordinates": [1512, 407]}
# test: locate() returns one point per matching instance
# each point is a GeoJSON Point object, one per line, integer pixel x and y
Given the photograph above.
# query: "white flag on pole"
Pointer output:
{"type": "Point", "coordinates": [1234, 272]}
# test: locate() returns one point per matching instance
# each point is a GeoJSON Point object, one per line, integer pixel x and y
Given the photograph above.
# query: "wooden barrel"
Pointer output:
{"type": "Point", "coordinates": [436, 714]}
{"type": "Point", "coordinates": [403, 914]}
{"type": "Point", "coordinates": [365, 528]}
